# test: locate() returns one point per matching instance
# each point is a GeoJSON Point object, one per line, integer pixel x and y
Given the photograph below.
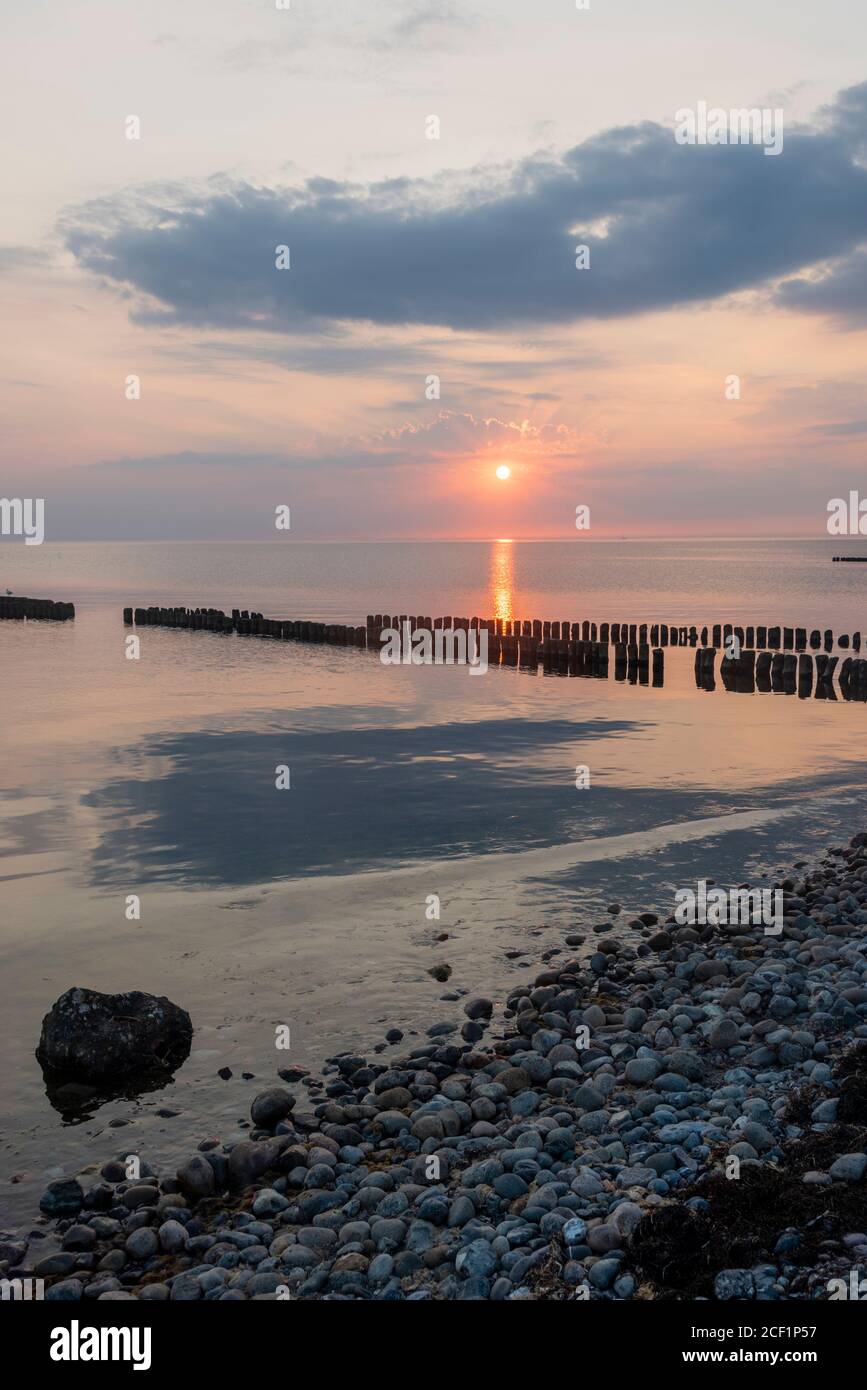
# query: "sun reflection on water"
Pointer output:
{"type": "Point", "coordinates": [502, 579]}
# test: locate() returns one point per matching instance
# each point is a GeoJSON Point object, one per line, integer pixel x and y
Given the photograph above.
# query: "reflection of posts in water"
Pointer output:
{"type": "Point", "coordinates": [825, 677]}
{"type": "Point", "coordinates": [858, 683]}
{"type": "Point", "coordinates": [844, 680]}
{"type": "Point", "coordinates": [763, 672]}
{"type": "Point", "coordinates": [643, 662]}
{"type": "Point", "coordinates": [745, 676]}
{"type": "Point", "coordinates": [783, 673]}
{"type": "Point", "coordinates": [742, 673]}
{"type": "Point", "coordinates": [704, 668]}
{"type": "Point", "coordinates": [853, 679]}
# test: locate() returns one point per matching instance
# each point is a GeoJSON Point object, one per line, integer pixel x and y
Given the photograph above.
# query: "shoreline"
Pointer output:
{"type": "Point", "coordinates": [523, 1167]}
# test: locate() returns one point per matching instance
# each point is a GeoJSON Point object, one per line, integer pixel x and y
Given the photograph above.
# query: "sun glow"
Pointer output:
{"type": "Point", "coordinates": [504, 472]}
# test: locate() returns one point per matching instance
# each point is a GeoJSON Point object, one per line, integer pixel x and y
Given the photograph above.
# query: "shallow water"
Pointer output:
{"type": "Point", "coordinates": [307, 907]}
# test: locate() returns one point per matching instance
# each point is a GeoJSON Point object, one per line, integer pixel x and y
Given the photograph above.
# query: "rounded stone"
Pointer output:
{"type": "Point", "coordinates": [141, 1244]}
{"type": "Point", "coordinates": [271, 1106]}
{"type": "Point", "coordinates": [173, 1237]}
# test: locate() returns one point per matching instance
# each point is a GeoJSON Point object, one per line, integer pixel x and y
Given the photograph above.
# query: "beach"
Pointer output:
{"type": "Point", "coordinates": [683, 1116]}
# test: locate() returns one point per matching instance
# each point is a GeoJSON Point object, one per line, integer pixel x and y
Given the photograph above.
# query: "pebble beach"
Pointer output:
{"type": "Point", "coordinates": [678, 1115]}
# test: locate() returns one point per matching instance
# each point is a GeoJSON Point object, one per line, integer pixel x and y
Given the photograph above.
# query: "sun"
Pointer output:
{"type": "Point", "coordinates": [504, 472]}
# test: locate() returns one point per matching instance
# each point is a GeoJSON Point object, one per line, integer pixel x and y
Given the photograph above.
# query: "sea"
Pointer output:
{"type": "Point", "coordinates": [433, 819]}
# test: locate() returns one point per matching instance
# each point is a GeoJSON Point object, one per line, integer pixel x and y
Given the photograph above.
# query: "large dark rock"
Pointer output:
{"type": "Point", "coordinates": [95, 1037]}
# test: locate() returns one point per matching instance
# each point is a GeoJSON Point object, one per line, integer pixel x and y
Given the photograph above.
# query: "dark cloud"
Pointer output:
{"type": "Point", "coordinates": [667, 225]}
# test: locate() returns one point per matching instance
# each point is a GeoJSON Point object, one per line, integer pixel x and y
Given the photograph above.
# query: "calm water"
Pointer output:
{"type": "Point", "coordinates": [307, 907]}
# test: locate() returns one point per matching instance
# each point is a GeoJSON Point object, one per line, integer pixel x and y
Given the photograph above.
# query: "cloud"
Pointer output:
{"type": "Point", "coordinates": [388, 31]}
{"type": "Point", "coordinates": [667, 226]}
{"type": "Point", "coordinates": [14, 259]}
{"type": "Point", "coordinates": [838, 290]}
{"type": "Point", "coordinates": [450, 434]}
{"type": "Point", "coordinates": [838, 287]}
{"type": "Point", "coordinates": [459, 433]}
{"type": "Point", "coordinates": [190, 458]}
{"type": "Point", "coordinates": [426, 21]}
{"type": "Point", "coordinates": [842, 429]}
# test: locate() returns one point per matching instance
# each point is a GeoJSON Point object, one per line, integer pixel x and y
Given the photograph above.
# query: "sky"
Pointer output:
{"type": "Point", "coordinates": [161, 377]}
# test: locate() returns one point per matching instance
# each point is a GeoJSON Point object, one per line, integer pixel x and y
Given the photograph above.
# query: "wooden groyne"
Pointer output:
{"type": "Point", "coordinates": [560, 648]}
{"type": "Point", "coordinates": [762, 637]}
{"type": "Point", "coordinates": [40, 609]}
{"type": "Point", "coordinates": [770, 658]}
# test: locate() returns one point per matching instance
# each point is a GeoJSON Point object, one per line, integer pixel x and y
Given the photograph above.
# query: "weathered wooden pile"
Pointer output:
{"type": "Point", "coordinates": [38, 608]}
{"type": "Point", "coordinates": [787, 639]}
{"type": "Point", "coordinates": [784, 673]}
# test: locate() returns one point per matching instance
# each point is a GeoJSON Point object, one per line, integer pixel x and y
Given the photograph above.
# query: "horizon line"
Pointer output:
{"type": "Point", "coordinates": [446, 540]}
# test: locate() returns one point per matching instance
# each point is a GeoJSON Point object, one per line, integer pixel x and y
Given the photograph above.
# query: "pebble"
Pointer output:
{"type": "Point", "coordinates": [849, 1168]}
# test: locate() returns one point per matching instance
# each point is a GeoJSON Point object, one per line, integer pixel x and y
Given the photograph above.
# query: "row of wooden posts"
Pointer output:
{"type": "Point", "coordinates": [769, 658]}
{"type": "Point", "coordinates": [526, 642]}
{"type": "Point", "coordinates": [784, 673]}
{"type": "Point", "coordinates": [568, 655]}
{"type": "Point", "coordinates": [718, 635]}
{"type": "Point", "coordinates": [772, 658]}
{"type": "Point", "coordinates": [786, 639]}
{"type": "Point", "coordinates": [39, 608]}
{"type": "Point", "coordinates": [759, 638]}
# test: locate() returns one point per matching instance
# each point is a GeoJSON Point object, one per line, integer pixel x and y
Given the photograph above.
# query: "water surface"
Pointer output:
{"type": "Point", "coordinates": [308, 907]}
